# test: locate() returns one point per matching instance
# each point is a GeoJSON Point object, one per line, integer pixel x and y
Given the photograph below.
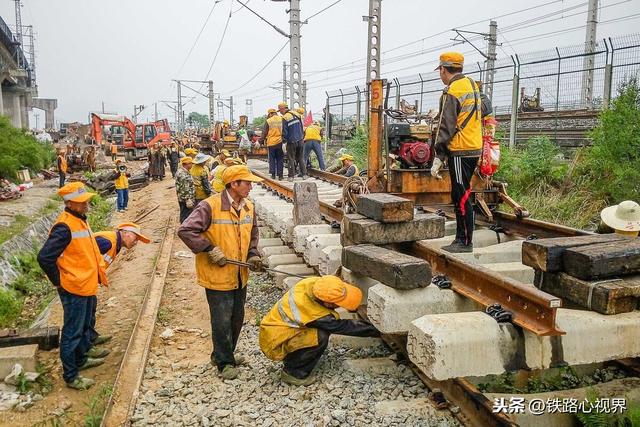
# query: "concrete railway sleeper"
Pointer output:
{"type": "Point", "coordinates": [448, 337]}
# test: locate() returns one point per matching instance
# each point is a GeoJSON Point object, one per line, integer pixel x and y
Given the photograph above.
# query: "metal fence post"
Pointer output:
{"type": "Point", "coordinates": [397, 82]}
{"type": "Point", "coordinates": [421, 91]}
{"type": "Point", "coordinates": [513, 129]}
{"type": "Point", "coordinates": [608, 75]}
{"type": "Point", "coordinates": [327, 120]}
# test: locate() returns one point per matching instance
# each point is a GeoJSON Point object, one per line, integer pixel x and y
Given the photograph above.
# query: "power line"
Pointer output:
{"type": "Point", "coordinates": [264, 19]}
{"type": "Point", "coordinates": [263, 68]}
{"type": "Point", "coordinates": [224, 33]}
{"type": "Point", "coordinates": [304, 21]}
{"type": "Point", "coordinates": [195, 42]}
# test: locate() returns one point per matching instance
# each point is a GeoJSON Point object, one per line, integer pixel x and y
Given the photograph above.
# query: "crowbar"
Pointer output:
{"type": "Point", "coordinates": [246, 264]}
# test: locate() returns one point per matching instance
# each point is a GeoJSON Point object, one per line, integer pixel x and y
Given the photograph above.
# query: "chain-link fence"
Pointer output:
{"type": "Point", "coordinates": [542, 86]}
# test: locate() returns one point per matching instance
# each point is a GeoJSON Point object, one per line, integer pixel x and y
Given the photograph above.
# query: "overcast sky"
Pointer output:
{"type": "Point", "coordinates": [125, 52]}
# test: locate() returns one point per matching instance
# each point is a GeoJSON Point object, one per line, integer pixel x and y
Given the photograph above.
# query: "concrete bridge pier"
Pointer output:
{"type": "Point", "coordinates": [48, 106]}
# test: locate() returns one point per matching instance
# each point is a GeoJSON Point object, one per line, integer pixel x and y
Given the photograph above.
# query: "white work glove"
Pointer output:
{"type": "Point", "coordinates": [435, 168]}
{"type": "Point", "coordinates": [189, 203]}
{"type": "Point", "coordinates": [216, 256]}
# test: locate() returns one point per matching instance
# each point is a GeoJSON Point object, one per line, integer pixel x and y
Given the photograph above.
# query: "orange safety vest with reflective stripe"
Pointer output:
{"type": "Point", "coordinates": [283, 330]}
{"type": "Point", "coordinates": [63, 164]}
{"type": "Point", "coordinates": [274, 136]}
{"type": "Point", "coordinates": [232, 234]}
{"type": "Point", "coordinates": [469, 135]}
{"type": "Point", "coordinates": [81, 266]}
{"type": "Point", "coordinates": [312, 133]}
{"type": "Point", "coordinates": [112, 237]}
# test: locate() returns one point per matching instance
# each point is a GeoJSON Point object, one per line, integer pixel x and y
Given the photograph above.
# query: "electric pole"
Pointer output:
{"type": "Point", "coordinates": [284, 81]}
{"type": "Point", "coordinates": [155, 112]}
{"type": "Point", "coordinates": [589, 58]}
{"type": "Point", "coordinates": [304, 94]}
{"type": "Point", "coordinates": [490, 62]}
{"type": "Point", "coordinates": [211, 105]}
{"type": "Point", "coordinates": [373, 45]}
{"type": "Point", "coordinates": [231, 110]}
{"type": "Point", "coordinates": [249, 109]}
{"type": "Point", "coordinates": [295, 69]}
{"type": "Point", "coordinates": [18, 4]}
{"type": "Point", "coordinates": [180, 115]}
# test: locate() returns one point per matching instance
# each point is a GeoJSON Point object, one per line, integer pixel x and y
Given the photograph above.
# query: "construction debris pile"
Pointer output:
{"type": "Point", "coordinates": [597, 272]}
{"type": "Point", "coordinates": [9, 191]}
{"type": "Point", "coordinates": [103, 181]}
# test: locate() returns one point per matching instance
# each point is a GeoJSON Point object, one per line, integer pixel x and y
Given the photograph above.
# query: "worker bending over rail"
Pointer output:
{"type": "Point", "coordinates": [110, 243]}
{"type": "Point", "coordinates": [71, 260]}
{"type": "Point", "coordinates": [458, 140]}
{"type": "Point", "coordinates": [297, 328]}
{"type": "Point", "coordinates": [224, 227]}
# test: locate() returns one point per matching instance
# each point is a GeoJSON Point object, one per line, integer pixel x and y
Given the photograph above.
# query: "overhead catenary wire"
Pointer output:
{"type": "Point", "coordinates": [195, 42]}
{"type": "Point", "coordinates": [304, 21]}
{"type": "Point", "coordinates": [262, 69]}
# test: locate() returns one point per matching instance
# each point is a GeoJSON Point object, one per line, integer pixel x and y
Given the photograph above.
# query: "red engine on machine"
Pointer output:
{"type": "Point", "coordinates": [414, 153]}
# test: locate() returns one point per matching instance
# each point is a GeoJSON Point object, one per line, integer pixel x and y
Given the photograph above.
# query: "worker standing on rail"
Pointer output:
{"type": "Point", "coordinates": [224, 227]}
{"type": "Point", "coordinates": [312, 142]}
{"type": "Point", "coordinates": [200, 175]}
{"type": "Point", "coordinates": [293, 137]}
{"type": "Point", "coordinates": [71, 259]}
{"type": "Point", "coordinates": [62, 168]}
{"type": "Point", "coordinates": [458, 139]}
{"type": "Point", "coordinates": [185, 189]}
{"type": "Point", "coordinates": [297, 328]}
{"type": "Point", "coordinates": [109, 243]}
{"type": "Point", "coordinates": [272, 134]}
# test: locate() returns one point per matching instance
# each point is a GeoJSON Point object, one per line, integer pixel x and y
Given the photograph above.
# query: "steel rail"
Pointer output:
{"type": "Point", "coordinates": [330, 212]}
{"type": "Point", "coordinates": [532, 309]}
{"type": "Point", "coordinates": [327, 176]}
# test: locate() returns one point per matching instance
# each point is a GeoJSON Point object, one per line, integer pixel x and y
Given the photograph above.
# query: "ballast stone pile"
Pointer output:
{"type": "Point", "coordinates": [350, 390]}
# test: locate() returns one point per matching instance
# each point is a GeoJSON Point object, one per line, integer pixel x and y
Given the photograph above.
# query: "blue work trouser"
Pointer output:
{"type": "Point", "coordinates": [62, 178]}
{"type": "Point", "coordinates": [93, 334]}
{"type": "Point", "coordinates": [316, 147]}
{"type": "Point", "coordinates": [276, 161]}
{"type": "Point", "coordinates": [75, 340]}
{"type": "Point", "coordinates": [123, 198]}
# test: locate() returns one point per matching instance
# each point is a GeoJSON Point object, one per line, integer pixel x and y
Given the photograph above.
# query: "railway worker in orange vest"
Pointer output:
{"type": "Point", "coordinates": [459, 140]}
{"type": "Point", "coordinates": [272, 134]}
{"type": "Point", "coordinates": [223, 227]}
{"type": "Point", "coordinates": [114, 151]}
{"type": "Point", "coordinates": [71, 260]}
{"type": "Point", "coordinates": [297, 328]}
{"type": "Point", "coordinates": [62, 168]}
{"type": "Point", "coordinates": [109, 243]}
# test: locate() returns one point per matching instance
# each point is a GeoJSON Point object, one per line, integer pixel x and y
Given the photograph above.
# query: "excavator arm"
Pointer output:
{"type": "Point", "coordinates": [99, 120]}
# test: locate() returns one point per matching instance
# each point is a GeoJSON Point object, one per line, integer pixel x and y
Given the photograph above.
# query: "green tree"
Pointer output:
{"type": "Point", "coordinates": [258, 122]}
{"type": "Point", "coordinates": [197, 119]}
{"type": "Point", "coordinates": [20, 150]}
{"type": "Point", "coordinates": [613, 162]}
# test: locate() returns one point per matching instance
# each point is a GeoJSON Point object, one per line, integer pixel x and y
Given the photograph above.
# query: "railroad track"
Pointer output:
{"type": "Point", "coordinates": [533, 310]}
{"type": "Point", "coordinates": [550, 115]}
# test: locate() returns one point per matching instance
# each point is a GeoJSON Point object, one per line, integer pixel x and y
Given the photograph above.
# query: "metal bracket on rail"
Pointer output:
{"type": "Point", "coordinates": [497, 229]}
{"type": "Point", "coordinates": [520, 211]}
{"type": "Point", "coordinates": [441, 281]}
{"type": "Point", "coordinates": [499, 314]}
{"type": "Point", "coordinates": [439, 212]}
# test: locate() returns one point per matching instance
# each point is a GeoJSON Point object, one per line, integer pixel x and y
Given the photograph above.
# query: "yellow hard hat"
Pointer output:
{"type": "Point", "coordinates": [346, 157]}
{"type": "Point", "coordinates": [135, 229]}
{"type": "Point", "coordinates": [75, 192]}
{"type": "Point", "coordinates": [226, 122]}
{"type": "Point", "coordinates": [185, 160]}
{"type": "Point", "coordinates": [283, 105]}
{"type": "Point", "coordinates": [238, 173]}
{"type": "Point", "coordinates": [271, 111]}
{"type": "Point", "coordinates": [300, 110]}
{"type": "Point", "coordinates": [333, 290]}
{"type": "Point", "coordinates": [451, 59]}
{"type": "Point", "coordinates": [190, 151]}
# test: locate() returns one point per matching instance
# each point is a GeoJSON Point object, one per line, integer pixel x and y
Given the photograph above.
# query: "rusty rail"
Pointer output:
{"type": "Point", "coordinates": [327, 176]}
{"type": "Point", "coordinates": [330, 212]}
{"type": "Point", "coordinates": [532, 308]}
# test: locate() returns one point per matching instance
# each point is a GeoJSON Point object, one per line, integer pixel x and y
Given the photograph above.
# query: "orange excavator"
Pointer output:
{"type": "Point", "coordinates": [138, 137]}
